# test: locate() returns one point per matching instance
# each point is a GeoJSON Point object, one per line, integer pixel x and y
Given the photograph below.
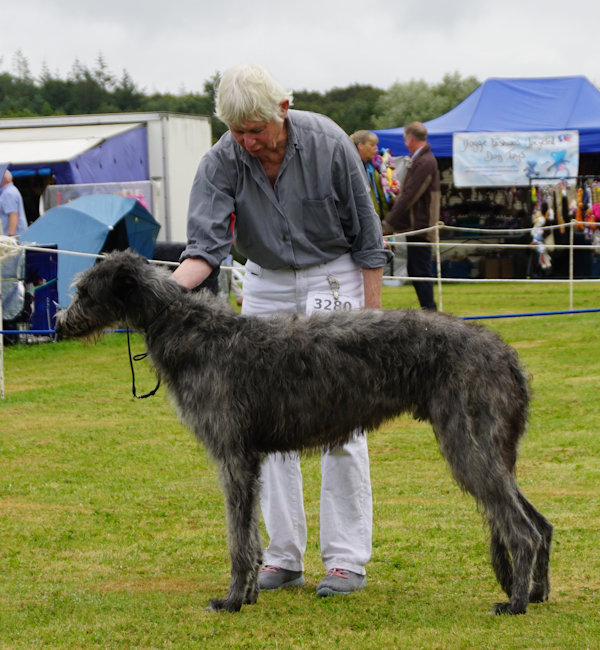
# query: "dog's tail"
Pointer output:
{"type": "Point", "coordinates": [519, 416]}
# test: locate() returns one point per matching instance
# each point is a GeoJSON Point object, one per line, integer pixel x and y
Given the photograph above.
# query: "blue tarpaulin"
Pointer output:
{"type": "Point", "coordinates": [92, 224]}
{"type": "Point", "coordinates": [506, 105]}
{"type": "Point", "coordinates": [84, 154]}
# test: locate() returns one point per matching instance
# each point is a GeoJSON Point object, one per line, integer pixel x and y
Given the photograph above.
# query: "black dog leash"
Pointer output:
{"type": "Point", "coordinates": [143, 355]}
{"type": "Point", "coordinates": [138, 357]}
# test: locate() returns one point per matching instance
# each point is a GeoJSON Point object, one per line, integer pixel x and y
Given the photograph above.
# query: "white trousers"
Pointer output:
{"type": "Point", "coordinates": [346, 521]}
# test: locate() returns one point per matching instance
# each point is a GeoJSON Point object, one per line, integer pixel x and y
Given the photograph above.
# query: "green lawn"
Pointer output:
{"type": "Point", "coordinates": [112, 530]}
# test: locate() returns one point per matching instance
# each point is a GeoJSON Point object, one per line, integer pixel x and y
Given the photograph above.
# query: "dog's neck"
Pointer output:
{"type": "Point", "coordinates": [160, 312]}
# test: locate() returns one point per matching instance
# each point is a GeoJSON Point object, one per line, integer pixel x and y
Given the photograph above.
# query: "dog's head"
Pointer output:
{"type": "Point", "coordinates": [115, 290]}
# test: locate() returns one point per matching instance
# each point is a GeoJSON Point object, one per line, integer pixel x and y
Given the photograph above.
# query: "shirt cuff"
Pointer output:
{"type": "Point", "coordinates": [196, 251]}
{"type": "Point", "coordinates": [372, 259]}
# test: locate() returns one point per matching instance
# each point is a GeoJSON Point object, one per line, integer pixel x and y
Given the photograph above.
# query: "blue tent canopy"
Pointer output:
{"type": "Point", "coordinates": [112, 154]}
{"type": "Point", "coordinates": [92, 224]}
{"type": "Point", "coordinates": [505, 105]}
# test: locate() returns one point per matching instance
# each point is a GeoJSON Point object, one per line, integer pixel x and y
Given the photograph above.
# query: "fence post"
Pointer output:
{"type": "Point", "coordinates": [8, 247]}
{"type": "Point", "coordinates": [438, 261]}
{"type": "Point", "coordinates": [571, 261]}
{"type": "Point", "coordinates": [1, 340]}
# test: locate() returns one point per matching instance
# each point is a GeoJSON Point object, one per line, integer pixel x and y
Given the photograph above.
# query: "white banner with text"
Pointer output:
{"type": "Point", "coordinates": [485, 159]}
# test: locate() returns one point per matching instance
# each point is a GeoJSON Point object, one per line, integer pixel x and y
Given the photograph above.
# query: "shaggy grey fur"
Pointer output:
{"type": "Point", "coordinates": [250, 386]}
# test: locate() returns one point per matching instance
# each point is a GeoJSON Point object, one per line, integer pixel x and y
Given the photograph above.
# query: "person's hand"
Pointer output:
{"type": "Point", "coordinates": [386, 228]}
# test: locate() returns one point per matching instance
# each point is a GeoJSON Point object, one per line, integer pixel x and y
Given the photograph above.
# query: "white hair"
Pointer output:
{"type": "Point", "coordinates": [248, 92]}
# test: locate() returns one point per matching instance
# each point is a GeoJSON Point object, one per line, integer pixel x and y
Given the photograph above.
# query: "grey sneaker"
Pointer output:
{"type": "Point", "coordinates": [274, 577]}
{"type": "Point", "coordinates": [340, 581]}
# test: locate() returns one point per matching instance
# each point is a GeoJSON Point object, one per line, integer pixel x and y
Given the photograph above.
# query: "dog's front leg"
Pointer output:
{"type": "Point", "coordinates": [239, 477]}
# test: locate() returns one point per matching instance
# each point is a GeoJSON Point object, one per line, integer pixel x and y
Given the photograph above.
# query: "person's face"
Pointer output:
{"type": "Point", "coordinates": [366, 150]}
{"type": "Point", "coordinates": [411, 143]}
{"type": "Point", "coordinates": [259, 137]}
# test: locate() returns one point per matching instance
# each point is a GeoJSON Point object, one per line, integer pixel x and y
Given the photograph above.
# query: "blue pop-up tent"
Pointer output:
{"type": "Point", "coordinates": [507, 105]}
{"type": "Point", "coordinates": [92, 224]}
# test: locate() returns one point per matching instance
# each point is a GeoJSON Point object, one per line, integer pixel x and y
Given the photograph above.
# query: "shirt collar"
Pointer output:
{"type": "Point", "coordinates": [418, 151]}
{"type": "Point", "coordinates": [293, 135]}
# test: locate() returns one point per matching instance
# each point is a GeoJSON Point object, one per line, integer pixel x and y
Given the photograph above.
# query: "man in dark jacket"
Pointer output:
{"type": "Point", "coordinates": [417, 207]}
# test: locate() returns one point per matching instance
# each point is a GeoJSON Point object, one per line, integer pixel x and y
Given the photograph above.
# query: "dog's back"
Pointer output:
{"type": "Point", "coordinates": [331, 374]}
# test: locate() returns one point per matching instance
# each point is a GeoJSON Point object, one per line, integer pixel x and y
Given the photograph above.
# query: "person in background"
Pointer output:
{"type": "Point", "coordinates": [12, 210]}
{"type": "Point", "coordinates": [366, 145]}
{"type": "Point", "coordinates": [384, 188]}
{"type": "Point", "coordinates": [417, 207]}
{"type": "Point", "coordinates": [307, 226]}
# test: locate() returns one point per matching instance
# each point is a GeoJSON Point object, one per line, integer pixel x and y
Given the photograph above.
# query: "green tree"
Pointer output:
{"type": "Point", "coordinates": [416, 100]}
{"type": "Point", "coordinates": [102, 76]}
{"type": "Point", "coordinates": [21, 67]}
{"type": "Point", "coordinates": [17, 91]}
{"type": "Point", "coordinates": [210, 92]}
{"type": "Point", "coordinates": [126, 95]}
{"type": "Point", "coordinates": [86, 91]}
{"type": "Point", "coordinates": [86, 95]}
{"type": "Point", "coordinates": [352, 107]}
{"type": "Point", "coordinates": [56, 92]}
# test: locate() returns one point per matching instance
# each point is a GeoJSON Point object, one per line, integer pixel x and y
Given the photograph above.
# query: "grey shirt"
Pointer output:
{"type": "Point", "coordinates": [318, 209]}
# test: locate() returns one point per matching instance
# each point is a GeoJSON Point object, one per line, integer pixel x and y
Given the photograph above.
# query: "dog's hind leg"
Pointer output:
{"type": "Point", "coordinates": [477, 445]}
{"type": "Point", "coordinates": [520, 536]}
{"type": "Point", "coordinates": [541, 570]}
{"type": "Point", "coordinates": [501, 561]}
{"type": "Point", "coordinates": [239, 478]}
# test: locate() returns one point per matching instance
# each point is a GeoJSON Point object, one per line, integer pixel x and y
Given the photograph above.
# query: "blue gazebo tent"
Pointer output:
{"type": "Point", "coordinates": [507, 105]}
{"type": "Point", "coordinates": [92, 224]}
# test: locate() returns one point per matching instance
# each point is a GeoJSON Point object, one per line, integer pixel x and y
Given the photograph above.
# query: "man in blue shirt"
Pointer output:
{"type": "Point", "coordinates": [12, 211]}
{"type": "Point", "coordinates": [305, 221]}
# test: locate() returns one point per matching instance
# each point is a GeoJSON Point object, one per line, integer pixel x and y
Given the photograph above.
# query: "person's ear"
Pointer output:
{"type": "Point", "coordinates": [283, 108]}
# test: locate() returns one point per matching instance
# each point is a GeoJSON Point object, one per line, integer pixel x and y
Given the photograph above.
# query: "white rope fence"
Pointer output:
{"type": "Point", "coordinates": [438, 245]}
{"type": "Point", "coordinates": [9, 247]}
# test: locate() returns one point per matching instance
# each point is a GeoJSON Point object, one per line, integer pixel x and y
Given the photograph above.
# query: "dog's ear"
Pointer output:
{"type": "Point", "coordinates": [126, 280]}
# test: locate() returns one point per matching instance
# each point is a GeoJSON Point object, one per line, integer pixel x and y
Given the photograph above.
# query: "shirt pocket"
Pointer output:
{"type": "Point", "coordinates": [321, 220]}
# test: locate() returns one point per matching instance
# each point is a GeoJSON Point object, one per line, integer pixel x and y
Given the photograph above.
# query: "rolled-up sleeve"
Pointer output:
{"type": "Point", "coordinates": [209, 214]}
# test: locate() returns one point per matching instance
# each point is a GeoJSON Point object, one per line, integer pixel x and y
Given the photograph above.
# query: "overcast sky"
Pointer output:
{"type": "Point", "coordinates": [176, 45]}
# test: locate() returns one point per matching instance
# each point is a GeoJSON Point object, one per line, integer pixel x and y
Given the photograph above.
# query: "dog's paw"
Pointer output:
{"type": "Point", "coordinates": [251, 597]}
{"type": "Point", "coordinates": [507, 608]}
{"type": "Point", "coordinates": [223, 605]}
{"type": "Point", "coordinates": [539, 594]}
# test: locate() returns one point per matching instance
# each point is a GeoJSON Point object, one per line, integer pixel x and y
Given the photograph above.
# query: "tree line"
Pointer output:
{"type": "Point", "coordinates": [87, 90]}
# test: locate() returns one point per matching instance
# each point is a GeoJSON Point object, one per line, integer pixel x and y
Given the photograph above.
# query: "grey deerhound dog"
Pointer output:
{"type": "Point", "coordinates": [251, 386]}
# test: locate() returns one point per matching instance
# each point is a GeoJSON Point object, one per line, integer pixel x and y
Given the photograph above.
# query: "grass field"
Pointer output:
{"type": "Point", "coordinates": [112, 530]}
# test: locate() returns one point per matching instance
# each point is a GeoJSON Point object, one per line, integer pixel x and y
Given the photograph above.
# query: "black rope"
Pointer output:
{"type": "Point", "coordinates": [138, 357]}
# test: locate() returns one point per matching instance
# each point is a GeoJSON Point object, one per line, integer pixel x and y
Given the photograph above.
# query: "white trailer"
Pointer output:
{"type": "Point", "coordinates": [152, 155]}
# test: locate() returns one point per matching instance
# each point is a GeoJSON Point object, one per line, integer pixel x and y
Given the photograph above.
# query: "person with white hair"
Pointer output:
{"type": "Point", "coordinates": [305, 221]}
{"type": "Point", "coordinates": [12, 210]}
